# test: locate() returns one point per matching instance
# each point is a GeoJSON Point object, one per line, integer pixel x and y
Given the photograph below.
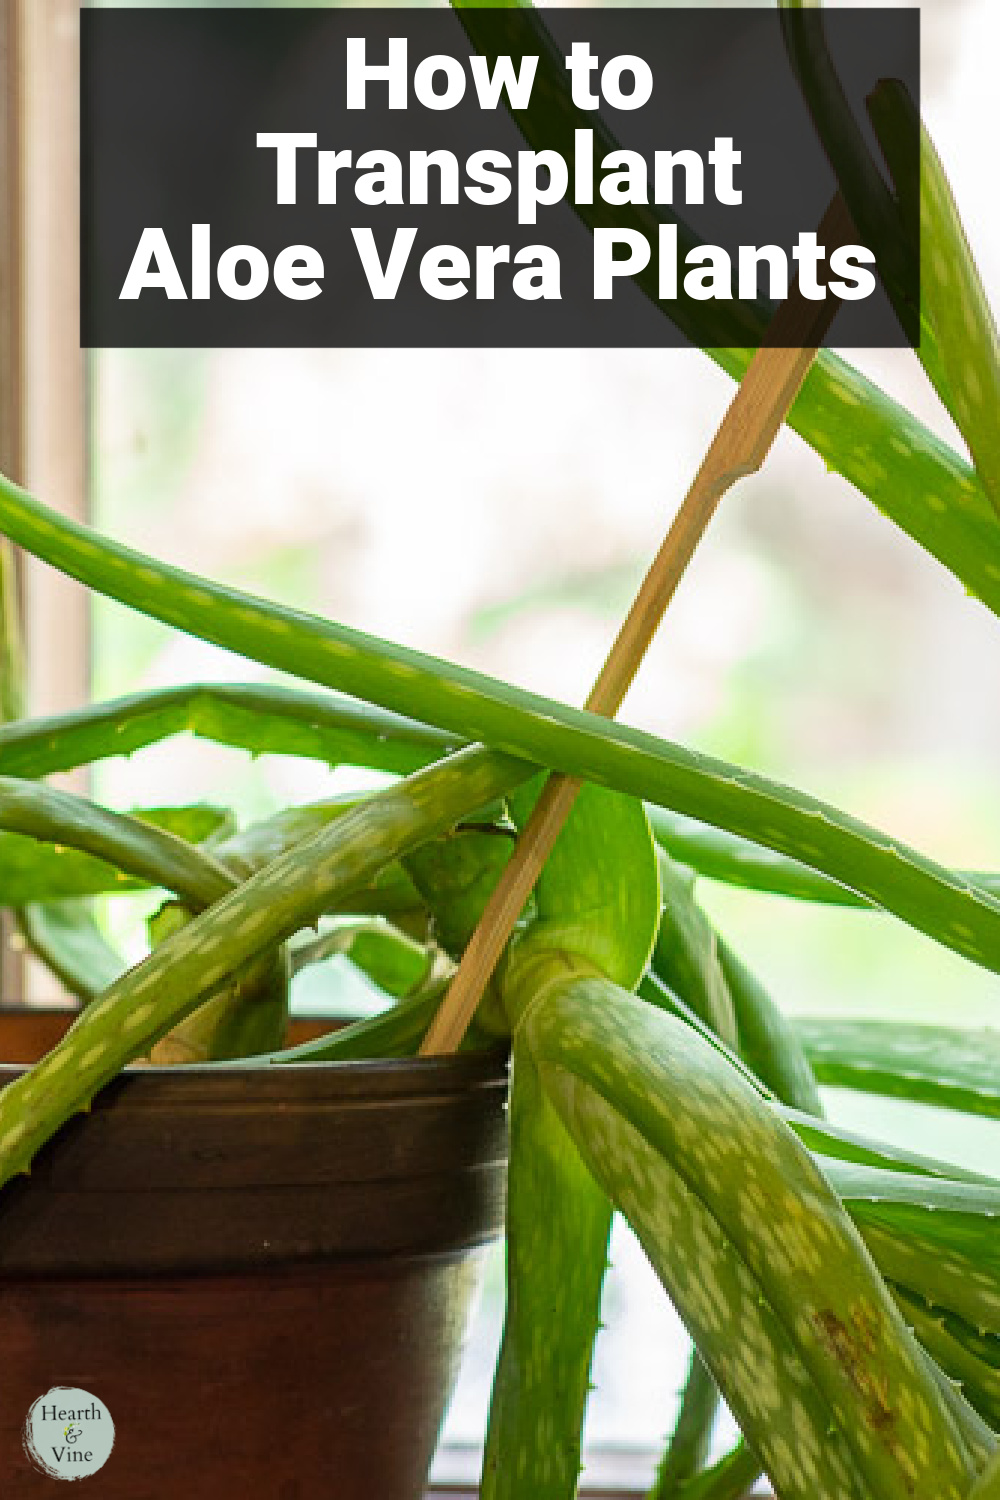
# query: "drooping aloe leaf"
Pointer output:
{"type": "Point", "coordinates": [455, 876]}
{"type": "Point", "coordinates": [397, 1032]}
{"type": "Point", "coordinates": [598, 895]}
{"type": "Point", "coordinates": [390, 959]}
{"type": "Point", "coordinates": [961, 316]}
{"type": "Point", "coordinates": [942, 1065]}
{"type": "Point", "coordinates": [388, 892]}
{"type": "Point", "coordinates": [955, 304]}
{"type": "Point", "coordinates": [740, 861]}
{"type": "Point", "coordinates": [694, 962]}
{"type": "Point", "coordinates": [264, 911]}
{"type": "Point", "coordinates": [248, 1015]}
{"type": "Point", "coordinates": [732, 1478]}
{"type": "Point", "coordinates": [987, 1486]}
{"type": "Point", "coordinates": [836, 1143]}
{"type": "Point", "coordinates": [912, 477]}
{"type": "Point", "coordinates": [688, 1449]}
{"type": "Point", "coordinates": [965, 1356]}
{"type": "Point", "coordinates": [936, 1237]}
{"type": "Point", "coordinates": [583, 916]}
{"type": "Point", "coordinates": [262, 719]}
{"type": "Point", "coordinates": [64, 935]}
{"type": "Point", "coordinates": [32, 870]}
{"type": "Point", "coordinates": [523, 724]}
{"type": "Point", "coordinates": [135, 846]}
{"type": "Point", "coordinates": [767, 1040]}
{"type": "Point", "coordinates": [757, 1254]}
{"type": "Point", "coordinates": [685, 956]}
{"type": "Point", "coordinates": [980, 1439]}
{"type": "Point", "coordinates": [556, 1259]}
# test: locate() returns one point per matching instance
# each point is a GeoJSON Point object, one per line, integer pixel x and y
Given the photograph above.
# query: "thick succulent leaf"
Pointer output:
{"type": "Point", "coordinates": [961, 317]}
{"type": "Point", "coordinates": [936, 1237]}
{"type": "Point", "coordinates": [690, 1442]}
{"type": "Point", "coordinates": [135, 846]}
{"type": "Point", "coordinates": [965, 366]}
{"type": "Point", "coordinates": [263, 719]}
{"type": "Point", "coordinates": [934, 900]}
{"type": "Point", "coordinates": [686, 956]}
{"type": "Point", "coordinates": [31, 870]}
{"type": "Point", "coordinates": [767, 1040]}
{"type": "Point", "coordinates": [754, 1248]}
{"type": "Point", "coordinates": [581, 903]}
{"type": "Point", "coordinates": [455, 875]}
{"type": "Point", "coordinates": [987, 1486]}
{"type": "Point", "coordinates": [912, 477]}
{"type": "Point", "coordinates": [969, 1358]}
{"type": "Point", "coordinates": [64, 935]}
{"type": "Point", "coordinates": [840, 1144]}
{"type": "Point", "coordinates": [740, 861]}
{"type": "Point", "coordinates": [942, 1065]}
{"type": "Point", "coordinates": [197, 961]}
{"type": "Point", "coordinates": [699, 968]}
{"type": "Point", "coordinates": [732, 1478]}
{"type": "Point", "coordinates": [248, 1015]}
{"type": "Point", "coordinates": [388, 892]}
{"type": "Point", "coordinates": [386, 956]}
{"type": "Point", "coordinates": [555, 1270]}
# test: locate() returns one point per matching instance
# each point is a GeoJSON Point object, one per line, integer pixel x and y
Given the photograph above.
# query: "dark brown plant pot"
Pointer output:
{"type": "Point", "coordinates": [263, 1274]}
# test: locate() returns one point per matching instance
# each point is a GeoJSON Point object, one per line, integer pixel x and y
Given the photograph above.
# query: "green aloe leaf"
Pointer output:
{"type": "Point", "coordinates": [556, 1261]}
{"type": "Point", "coordinates": [741, 861]}
{"type": "Point", "coordinates": [262, 719]}
{"type": "Point", "coordinates": [934, 900]}
{"type": "Point", "coordinates": [33, 870]}
{"type": "Point", "coordinates": [455, 875]}
{"type": "Point", "coordinates": [135, 846]}
{"type": "Point", "coordinates": [581, 903]}
{"type": "Point", "coordinates": [768, 1042]}
{"type": "Point", "coordinates": [764, 1266]}
{"type": "Point", "coordinates": [732, 1478]}
{"type": "Point", "coordinates": [690, 1442]}
{"type": "Point", "coordinates": [64, 935]}
{"type": "Point", "coordinates": [686, 955]}
{"type": "Point", "coordinates": [386, 956]}
{"type": "Point", "coordinates": [969, 1358]}
{"type": "Point", "coordinates": [935, 1237]}
{"type": "Point", "coordinates": [966, 363]}
{"type": "Point", "coordinates": [987, 1486]}
{"type": "Point", "coordinates": [942, 1065]}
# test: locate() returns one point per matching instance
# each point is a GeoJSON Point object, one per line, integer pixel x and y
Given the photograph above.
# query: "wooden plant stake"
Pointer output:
{"type": "Point", "coordinates": [740, 446]}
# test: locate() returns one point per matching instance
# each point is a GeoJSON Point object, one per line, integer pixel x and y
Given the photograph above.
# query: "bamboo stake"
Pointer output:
{"type": "Point", "coordinates": [740, 446]}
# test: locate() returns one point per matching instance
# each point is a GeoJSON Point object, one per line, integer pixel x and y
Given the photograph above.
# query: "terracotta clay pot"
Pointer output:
{"type": "Point", "coordinates": [262, 1274]}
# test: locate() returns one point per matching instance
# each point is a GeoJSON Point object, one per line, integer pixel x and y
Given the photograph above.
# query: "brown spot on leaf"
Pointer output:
{"type": "Point", "coordinates": [853, 1348]}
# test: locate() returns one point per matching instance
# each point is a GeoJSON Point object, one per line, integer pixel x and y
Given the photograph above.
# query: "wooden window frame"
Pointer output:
{"type": "Point", "coordinates": [43, 401]}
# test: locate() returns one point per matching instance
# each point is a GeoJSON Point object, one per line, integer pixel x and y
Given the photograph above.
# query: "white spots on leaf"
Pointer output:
{"type": "Point", "coordinates": [13, 1137]}
{"type": "Point", "coordinates": [94, 1054]}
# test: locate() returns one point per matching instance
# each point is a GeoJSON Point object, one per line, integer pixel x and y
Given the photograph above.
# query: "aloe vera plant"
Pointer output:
{"type": "Point", "coordinates": [843, 1296]}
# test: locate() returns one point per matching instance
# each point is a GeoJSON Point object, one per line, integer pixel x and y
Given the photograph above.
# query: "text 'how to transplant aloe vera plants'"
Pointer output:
{"type": "Point", "coordinates": [373, 178]}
